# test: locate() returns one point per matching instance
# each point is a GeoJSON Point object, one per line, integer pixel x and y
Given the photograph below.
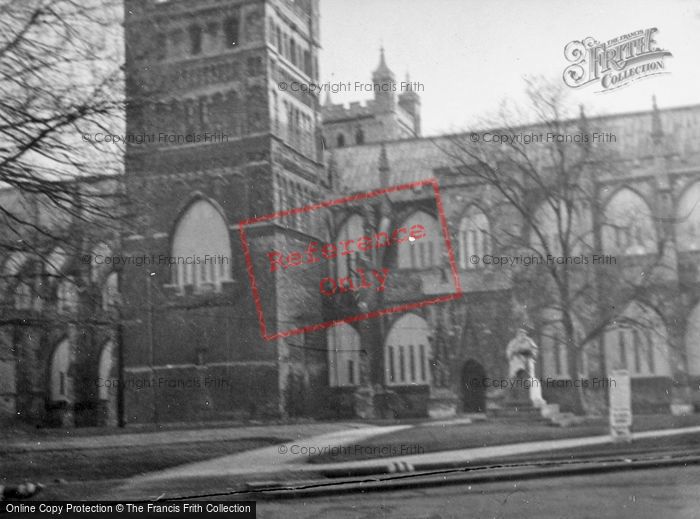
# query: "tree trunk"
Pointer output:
{"type": "Point", "coordinates": [572, 361]}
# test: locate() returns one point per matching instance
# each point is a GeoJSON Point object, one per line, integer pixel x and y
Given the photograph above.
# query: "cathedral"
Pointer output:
{"type": "Point", "coordinates": [180, 340]}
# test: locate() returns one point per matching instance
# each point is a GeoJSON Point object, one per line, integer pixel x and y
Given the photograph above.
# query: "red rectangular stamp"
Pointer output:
{"type": "Point", "coordinates": [354, 258]}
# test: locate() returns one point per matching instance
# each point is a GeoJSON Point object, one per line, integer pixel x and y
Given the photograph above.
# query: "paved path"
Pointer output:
{"type": "Point", "coordinates": [275, 458]}
{"type": "Point", "coordinates": [229, 470]}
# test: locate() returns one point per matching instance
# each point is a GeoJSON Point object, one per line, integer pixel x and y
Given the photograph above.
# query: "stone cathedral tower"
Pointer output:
{"type": "Point", "coordinates": [214, 138]}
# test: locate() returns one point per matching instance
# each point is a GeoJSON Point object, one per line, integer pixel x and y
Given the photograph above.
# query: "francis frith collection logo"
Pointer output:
{"type": "Point", "coordinates": [615, 63]}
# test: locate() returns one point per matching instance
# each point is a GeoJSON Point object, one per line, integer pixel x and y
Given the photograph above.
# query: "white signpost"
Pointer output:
{"type": "Point", "coordinates": [620, 406]}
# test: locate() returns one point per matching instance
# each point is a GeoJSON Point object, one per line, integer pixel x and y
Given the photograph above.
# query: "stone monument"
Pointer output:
{"type": "Point", "coordinates": [522, 354]}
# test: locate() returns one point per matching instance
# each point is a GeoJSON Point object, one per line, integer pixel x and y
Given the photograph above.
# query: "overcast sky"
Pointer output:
{"type": "Point", "coordinates": [472, 54]}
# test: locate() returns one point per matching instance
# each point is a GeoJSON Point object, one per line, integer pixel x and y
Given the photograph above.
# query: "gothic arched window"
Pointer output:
{"type": "Point", "coordinates": [629, 228]}
{"type": "Point", "coordinates": [424, 252]}
{"type": "Point", "coordinates": [307, 63]}
{"type": "Point", "coordinates": [67, 295]}
{"type": "Point", "coordinates": [60, 382]}
{"type": "Point", "coordinates": [105, 370]}
{"type": "Point", "coordinates": [474, 237]}
{"type": "Point", "coordinates": [359, 136]}
{"type": "Point", "coordinates": [555, 348]}
{"type": "Point", "coordinates": [201, 248]}
{"type": "Point", "coordinates": [110, 291]}
{"type": "Point", "coordinates": [340, 140]}
{"type": "Point", "coordinates": [195, 33]}
{"type": "Point", "coordinates": [231, 31]}
{"type": "Point", "coordinates": [233, 121]}
{"type": "Point", "coordinates": [637, 340]}
{"type": "Point", "coordinates": [192, 116]}
{"type": "Point", "coordinates": [15, 277]}
{"type": "Point", "coordinates": [293, 51]}
{"type": "Point", "coordinates": [688, 218]}
{"type": "Point", "coordinates": [407, 352]}
{"type": "Point", "coordinates": [352, 229]}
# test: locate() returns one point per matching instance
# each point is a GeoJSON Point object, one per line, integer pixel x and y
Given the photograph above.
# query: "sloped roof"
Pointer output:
{"type": "Point", "coordinates": [410, 160]}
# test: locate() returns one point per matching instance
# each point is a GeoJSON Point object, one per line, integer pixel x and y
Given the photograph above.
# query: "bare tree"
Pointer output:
{"type": "Point", "coordinates": [546, 179]}
{"type": "Point", "coordinates": [61, 83]}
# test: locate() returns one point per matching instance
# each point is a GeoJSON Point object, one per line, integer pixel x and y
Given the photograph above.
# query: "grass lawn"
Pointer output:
{"type": "Point", "coordinates": [426, 438]}
{"type": "Point", "coordinates": [14, 430]}
{"type": "Point", "coordinates": [115, 462]}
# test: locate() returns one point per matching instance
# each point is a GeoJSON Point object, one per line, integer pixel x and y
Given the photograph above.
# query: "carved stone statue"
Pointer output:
{"type": "Point", "coordinates": [522, 353]}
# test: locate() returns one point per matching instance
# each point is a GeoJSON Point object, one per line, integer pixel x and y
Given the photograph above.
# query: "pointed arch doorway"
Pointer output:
{"type": "Point", "coordinates": [473, 387]}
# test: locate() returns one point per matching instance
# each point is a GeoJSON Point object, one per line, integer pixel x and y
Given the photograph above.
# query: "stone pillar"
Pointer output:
{"type": "Point", "coordinates": [681, 398]}
{"type": "Point", "coordinates": [371, 367]}
{"type": "Point", "coordinates": [442, 401]}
